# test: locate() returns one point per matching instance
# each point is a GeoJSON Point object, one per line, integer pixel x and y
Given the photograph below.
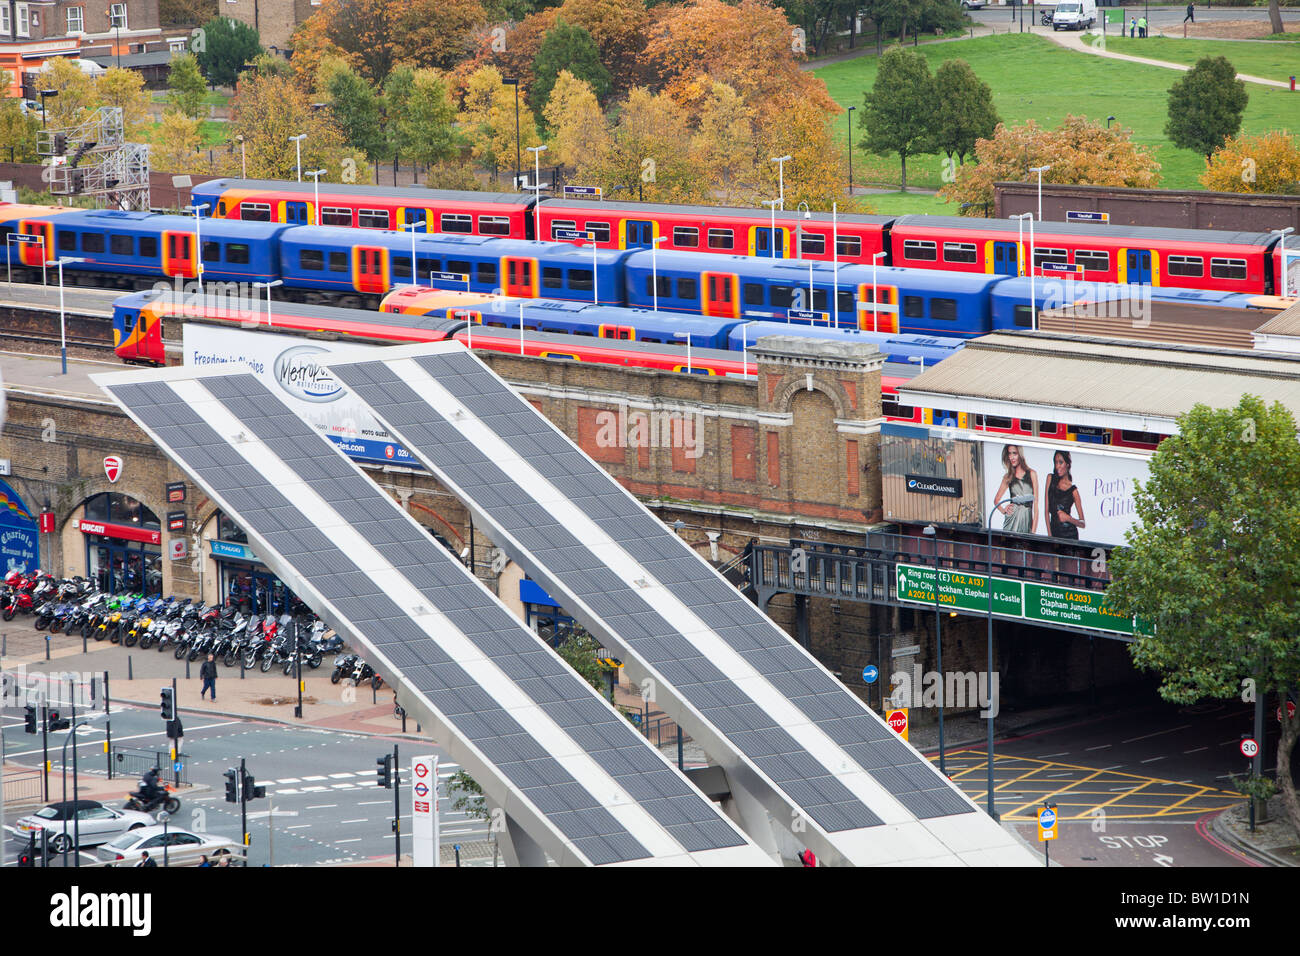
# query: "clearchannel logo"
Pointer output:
{"type": "Point", "coordinates": [930, 485]}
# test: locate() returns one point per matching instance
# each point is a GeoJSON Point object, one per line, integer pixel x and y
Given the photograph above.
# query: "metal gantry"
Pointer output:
{"type": "Point", "coordinates": [98, 161]}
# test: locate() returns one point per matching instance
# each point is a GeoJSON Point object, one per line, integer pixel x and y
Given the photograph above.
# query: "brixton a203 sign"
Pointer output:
{"type": "Point", "coordinates": [963, 591]}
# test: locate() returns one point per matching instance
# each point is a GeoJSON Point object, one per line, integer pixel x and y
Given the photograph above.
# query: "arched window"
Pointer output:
{"type": "Point", "coordinates": [114, 508]}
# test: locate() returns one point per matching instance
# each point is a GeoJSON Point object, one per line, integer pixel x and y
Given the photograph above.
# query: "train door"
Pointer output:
{"type": "Point", "coordinates": [179, 253]}
{"type": "Point", "coordinates": [370, 269]}
{"type": "Point", "coordinates": [770, 242]}
{"type": "Point", "coordinates": [521, 277]}
{"type": "Point", "coordinates": [638, 234]}
{"type": "Point", "coordinates": [295, 213]}
{"type": "Point", "coordinates": [40, 249]}
{"type": "Point", "coordinates": [419, 218]}
{"type": "Point", "coordinates": [721, 295]}
{"type": "Point", "coordinates": [1139, 266]}
{"type": "Point", "coordinates": [617, 332]}
{"type": "Point", "coordinates": [1004, 259]}
{"type": "Point", "coordinates": [877, 308]}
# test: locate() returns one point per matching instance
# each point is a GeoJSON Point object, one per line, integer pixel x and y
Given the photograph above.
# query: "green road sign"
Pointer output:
{"type": "Point", "coordinates": [962, 591]}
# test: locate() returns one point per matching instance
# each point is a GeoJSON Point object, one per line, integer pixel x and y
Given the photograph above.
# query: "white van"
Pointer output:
{"type": "Point", "coordinates": [1075, 15]}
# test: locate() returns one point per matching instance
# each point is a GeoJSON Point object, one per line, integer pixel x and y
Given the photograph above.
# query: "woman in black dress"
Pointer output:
{"type": "Point", "coordinates": [1062, 496]}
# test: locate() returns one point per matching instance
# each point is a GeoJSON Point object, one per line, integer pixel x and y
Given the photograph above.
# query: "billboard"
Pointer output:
{"type": "Point", "coordinates": [19, 547]}
{"type": "Point", "coordinates": [291, 368]}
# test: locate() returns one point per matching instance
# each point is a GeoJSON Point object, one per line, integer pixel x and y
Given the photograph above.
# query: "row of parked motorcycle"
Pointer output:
{"type": "Point", "coordinates": [190, 631]}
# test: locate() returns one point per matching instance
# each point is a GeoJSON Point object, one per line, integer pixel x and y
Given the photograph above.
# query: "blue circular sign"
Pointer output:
{"type": "Point", "coordinates": [870, 673]}
{"type": "Point", "coordinates": [1047, 818]}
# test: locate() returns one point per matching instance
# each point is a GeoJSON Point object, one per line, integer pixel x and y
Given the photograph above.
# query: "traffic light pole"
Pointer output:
{"type": "Point", "coordinates": [108, 730]}
{"type": "Point", "coordinates": [243, 809]}
{"type": "Point", "coordinates": [397, 809]}
{"type": "Point", "coordinates": [45, 749]}
{"type": "Point", "coordinates": [76, 817]}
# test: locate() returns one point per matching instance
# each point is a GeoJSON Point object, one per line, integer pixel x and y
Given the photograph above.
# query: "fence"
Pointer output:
{"type": "Point", "coordinates": [22, 786]}
{"type": "Point", "coordinates": [127, 762]}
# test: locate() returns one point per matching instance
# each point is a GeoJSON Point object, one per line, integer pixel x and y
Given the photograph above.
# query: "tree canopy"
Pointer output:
{"type": "Point", "coordinates": [567, 47]}
{"type": "Point", "coordinates": [227, 45]}
{"type": "Point", "coordinates": [1256, 164]}
{"type": "Point", "coordinates": [964, 111]}
{"type": "Point", "coordinates": [186, 87]}
{"type": "Point", "coordinates": [900, 109]}
{"type": "Point", "coordinates": [1206, 106]}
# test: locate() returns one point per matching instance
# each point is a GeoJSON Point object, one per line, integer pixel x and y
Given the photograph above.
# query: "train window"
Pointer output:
{"type": "Point", "coordinates": [552, 277]}
{"type": "Point", "coordinates": [913, 306]}
{"type": "Point", "coordinates": [959, 252]}
{"type": "Point", "coordinates": [782, 296]}
{"type": "Point", "coordinates": [844, 302]}
{"type": "Point", "coordinates": [237, 253]}
{"type": "Point", "coordinates": [259, 212]}
{"type": "Point", "coordinates": [943, 309]}
{"type": "Point", "coordinates": [1022, 317]}
{"type": "Point", "coordinates": [401, 266]}
{"type": "Point", "coordinates": [687, 289]}
{"type": "Point", "coordinates": [1140, 438]}
{"type": "Point", "coordinates": [559, 224]}
{"type": "Point", "coordinates": [459, 266]}
{"type": "Point", "coordinates": [211, 251]}
{"type": "Point", "coordinates": [335, 216]}
{"type": "Point", "coordinates": [752, 293]}
{"type": "Point", "coordinates": [920, 249]}
{"type": "Point", "coordinates": [1050, 255]}
{"type": "Point", "coordinates": [221, 208]}
{"type": "Point", "coordinates": [67, 241]}
{"type": "Point", "coordinates": [338, 262]}
{"type": "Point", "coordinates": [580, 279]}
{"type": "Point", "coordinates": [665, 287]}
{"type": "Point", "coordinates": [92, 242]}
{"type": "Point", "coordinates": [485, 272]}
{"type": "Point", "coordinates": [374, 218]}
{"type": "Point", "coordinates": [821, 300]}
{"type": "Point", "coordinates": [722, 239]}
{"type": "Point", "coordinates": [599, 230]}
{"type": "Point", "coordinates": [424, 265]}
{"type": "Point", "coordinates": [686, 236]}
{"type": "Point", "coordinates": [149, 247]}
{"type": "Point", "coordinates": [1093, 260]}
{"type": "Point", "coordinates": [1185, 266]}
{"type": "Point", "coordinates": [494, 225]}
{"type": "Point", "coordinates": [1228, 268]}
{"type": "Point", "coordinates": [457, 222]}
{"type": "Point", "coordinates": [311, 259]}
{"type": "Point", "coordinates": [849, 246]}
{"type": "Point", "coordinates": [996, 421]}
{"type": "Point", "coordinates": [1045, 428]}
{"type": "Point", "coordinates": [121, 245]}
{"type": "Point", "coordinates": [812, 245]}
{"type": "Point", "coordinates": [890, 408]}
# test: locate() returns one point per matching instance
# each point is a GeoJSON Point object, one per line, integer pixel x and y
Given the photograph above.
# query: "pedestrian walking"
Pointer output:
{"type": "Point", "coordinates": [1142, 26]}
{"type": "Point", "coordinates": [146, 860]}
{"type": "Point", "coordinates": [208, 671]}
{"type": "Point", "coordinates": [1191, 13]}
{"type": "Point", "coordinates": [1132, 27]}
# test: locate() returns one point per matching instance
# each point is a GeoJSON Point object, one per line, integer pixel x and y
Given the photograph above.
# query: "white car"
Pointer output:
{"type": "Point", "coordinates": [183, 848]}
{"type": "Point", "coordinates": [63, 821]}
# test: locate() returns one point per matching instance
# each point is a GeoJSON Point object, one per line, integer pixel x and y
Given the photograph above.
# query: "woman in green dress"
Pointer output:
{"type": "Point", "coordinates": [1019, 480]}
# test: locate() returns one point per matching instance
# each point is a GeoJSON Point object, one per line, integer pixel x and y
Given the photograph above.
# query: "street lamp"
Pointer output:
{"type": "Point", "coordinates": [198, 242]}
{"type": "Point", "coordinates": [988, 583]}
{"type": "Point", "coordinates": [44, 94]}
{"type": "Point", "coordinates": [1040, 170]}
{"type": "Point", "coordinates": [780, 164]}
{"type": "Point", "coordinates": [933, 534]}
{"type": "Point", "coordinates": [297, 142]}
{"type": "Point", "coordinates": [849, 117]}
{"type": "Point", "coordinates": [537, 188]}
{"type": "Point", "coordinates": [654, 271]}
{"type": "Point", "coordinates": [1109, 120]}
{"type": "Point", "coordinates": [518, 161]}
{"type": "Point", "coordinates": [116, 24]}
{"type": "Point", "coordinates": [687, 337]}
{"type": "Point", "coordinates": [76, 818]}
{"type": "Point", "coordinates": [268, 286]}
{"type": "Point", "coordinates": [63, 328]}
{"type": "Point", "coordinates": [243, 157]}
{"type": "Point", "coordinates": [315, 175]}
{"type": "Point", "coordinates": [1281, 254]}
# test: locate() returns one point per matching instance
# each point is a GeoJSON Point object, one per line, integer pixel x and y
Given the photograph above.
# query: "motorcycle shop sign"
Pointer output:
{"type": "Point", "coordinates": [113, 467]}
{"type": "Point", "coordinates": [232, 550]}
{"type": "Point", "coordinates": [126, 532]}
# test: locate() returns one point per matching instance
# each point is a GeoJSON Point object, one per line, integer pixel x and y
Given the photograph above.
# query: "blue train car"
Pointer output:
{"type": "Point", "coordinates": [916, 301]}
{"type": "Point", "coordinates": [920, 351]}
{"type": "Point", "coordinates": [341, 260]}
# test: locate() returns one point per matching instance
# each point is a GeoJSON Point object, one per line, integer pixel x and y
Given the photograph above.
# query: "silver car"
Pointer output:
{"type": "Point", "coordinates": [63, 821]}
{"type": "Point", "coordinates": [183, 848]}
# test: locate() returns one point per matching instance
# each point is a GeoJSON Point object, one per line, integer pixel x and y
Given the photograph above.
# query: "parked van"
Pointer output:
{"type": "Point", "coordinates": [1075, 15]}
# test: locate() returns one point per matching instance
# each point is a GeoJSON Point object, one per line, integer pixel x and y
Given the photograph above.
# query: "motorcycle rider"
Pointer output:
{"type": "Point", "coordinates": [149, 789]}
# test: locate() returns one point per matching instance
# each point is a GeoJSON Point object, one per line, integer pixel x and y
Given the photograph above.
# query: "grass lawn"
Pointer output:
{"type": "Point", "coordinates": [1272, 61]}
{"type": "Point", "coordinates": [898, 204]}
{"type": "Point", "coordinates": [1033, 77]}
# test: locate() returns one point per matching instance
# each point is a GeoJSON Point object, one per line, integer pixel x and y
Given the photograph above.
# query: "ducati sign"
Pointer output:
{"type": "Point", "coordinates": [113, 467]}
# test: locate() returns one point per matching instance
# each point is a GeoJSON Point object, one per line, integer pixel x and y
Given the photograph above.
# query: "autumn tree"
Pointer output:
{"type": "Point", "coordinates": [1213, 566]}
{"type": "Point", "coordinates": [76, 93]}
{"type": "Point", "coordinates": [488, 120]}
{"type": "Point", "coordinates": [650, 152]}
{"type": "Point", "coordinates": [227, 45]}
{"type": "Point", "coordinates": [355, 104]}
{"type": "Point", "coordinates": [186, 87]}
{"type": "Point", "coordinates": [579, 132]}
{"type": "Point", "coordinates": [514, 53]}
{"type": "Point", "coordinates": [790, 125]}
{"type": "Point", "coordinates": [567, 47]}
{"type": "Point", "coordinates": [1206, 106]}
{"type": "Point", "coordinates": [1256, 164]}
{"type": "Point", "coordinates": [18, 130]}
{"type": "Point", "coordinates": [618, 28]}
{"type": "Point", "coordinates": [312, 47]}
{"type": "Point", "coordinates": [900, 109]}
{"type": "Point", "coordinates": [963, 109]}
{"type": "Point", "coordinates": [727, 147]}
{"type": "Point", "coordinates": [125, 89]}
{"type": "Point", "coordinates": [422, 120]}
{"type": "Point", "coordinates": [1080, 152]}
{"type": "Point", "coordinates": [175, 143]}
{"type": "Point", "coordinates": [436, 33]}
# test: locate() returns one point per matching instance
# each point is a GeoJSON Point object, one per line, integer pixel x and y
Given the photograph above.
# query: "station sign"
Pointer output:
{"type": "Point", "coordinates": [1086, 216]}
{"type": "Point", "coordinates": [582, 191]}
{"type": "Point", "coordinates": [1060, 267]}
{"type": "Point", "coordinates": [571, 234]}
{"type": "Point", "coordinates": [448, 277]}
{"type": "Point", "coordinates": [1046, 824]}
{"type": "Point", "coordinates": [424, 811]}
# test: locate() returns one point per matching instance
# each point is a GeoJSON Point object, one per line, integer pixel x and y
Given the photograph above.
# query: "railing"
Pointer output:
{"type": "Point", "coordinates": [127, 762]}
{"type": "Point", "coordinates": [21, 786]}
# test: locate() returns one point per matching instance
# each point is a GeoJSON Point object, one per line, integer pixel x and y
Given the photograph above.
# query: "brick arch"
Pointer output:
{"type": "Point", "coordinates": [100, 486]}
{"type": "Point", "coordinates": [796, 382]}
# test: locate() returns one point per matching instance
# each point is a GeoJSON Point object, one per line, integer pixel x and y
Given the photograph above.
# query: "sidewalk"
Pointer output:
{"type": "Point", "coordinates": [1274, 843]}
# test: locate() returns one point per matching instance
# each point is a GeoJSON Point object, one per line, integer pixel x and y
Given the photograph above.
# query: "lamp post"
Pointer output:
{"type": "Point", "coordinates": [875, 291]}
{"type": "Point", "coordinates": [1281, 255]}
{"type": "Point", "coordinates": [537, 189]}
{"type": "Point", "coordinates": [63, 328]}
{"type": "Point", "coordinates": [687, 337]}
{"type": "Point", "coordinates": [268, 286]}
{"type": "Point", "coordinates": [116, 24]}
{"type": "Point", "coordinates": [988, 583]}
{"type": "Point", "coordinates": [44, 94]}
{"type": "Point", "coordinates": [654, 271]}
{"type": "Point", "coordinates": [518, 161]}
{"type": "Point", "coordinates": [780, 166]}
{"type": "Point", "coordinates": [297, 142]}
{"type": "Point", "coordinates": [198, 241]}
{"type": "Point", "coordinates": [1109, 120]}
{"type": "Point", "coordinates": [243, 157]}
{"type": "Point", "coordinates": [63, 763]}
{"type": "Point", "coordinates": [771, 204]}
{"type": "Point", "coordinates": [798, 243]}
{"type": "Point", "coordinates": [932, 533]}
{"type": "Point", "coordinates": [1040, 170]}
{"type": "Point", "coordinates": [315, 175]}
{"type": "Point", "coordinates": [849, 117]}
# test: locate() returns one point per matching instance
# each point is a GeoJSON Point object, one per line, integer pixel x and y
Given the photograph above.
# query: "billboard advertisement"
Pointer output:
{"type": "Point", "coordinates": [292, 368]}
{"type": "Point", "coordinates": [19, 547]}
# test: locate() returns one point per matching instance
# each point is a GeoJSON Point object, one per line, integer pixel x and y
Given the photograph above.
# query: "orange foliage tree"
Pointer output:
{"type": "Point", "coordinates": [619, 29]}
{"type": "Point", "coordinates": [1255, 164]}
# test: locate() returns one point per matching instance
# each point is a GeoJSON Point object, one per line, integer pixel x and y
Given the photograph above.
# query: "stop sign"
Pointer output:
{"type": "Point", "coordinates": [1290, 711]}
{"type": "Point", "coordinates": [897, 720]}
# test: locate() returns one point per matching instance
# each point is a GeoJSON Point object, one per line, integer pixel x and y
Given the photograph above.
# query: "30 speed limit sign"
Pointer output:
{"type": "Point", "coordinates": [1249, 748]}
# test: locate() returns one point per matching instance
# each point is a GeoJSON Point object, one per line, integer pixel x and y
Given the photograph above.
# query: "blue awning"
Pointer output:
{"type": "Point", "coordinates": [530, 592]}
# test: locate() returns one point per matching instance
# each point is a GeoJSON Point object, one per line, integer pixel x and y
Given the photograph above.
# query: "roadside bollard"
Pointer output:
{"type": "Point", "coordinates": [47, 647]}
{"type": "Point", "coordinates": [130, 670]}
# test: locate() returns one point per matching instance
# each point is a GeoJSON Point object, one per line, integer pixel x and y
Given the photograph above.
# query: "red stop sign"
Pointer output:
{"type": "Point", "coordinates": [897, 720]}
{"type": "Point", "coordinates": [1290, 711]}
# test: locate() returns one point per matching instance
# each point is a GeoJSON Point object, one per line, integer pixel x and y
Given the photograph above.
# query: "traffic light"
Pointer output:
{"type": "Point", "coordinates": [232, 785]}
{"type": "Point", "coordinates": [167, 703]}
{"type": "Point", "coordinates": [251, 790]}
{"type": "Point", "coordinates": [385, 764]}
{"type": "Point", "coordinates": [29, 719]}
{"type": "Point", "coordinates": [60, 144]}
{"type": "Point", "coordinates": [55, 722]}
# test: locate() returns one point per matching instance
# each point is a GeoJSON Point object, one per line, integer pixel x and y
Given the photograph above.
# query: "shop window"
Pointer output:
{"type": "Point", "coordinates": [227, 530]}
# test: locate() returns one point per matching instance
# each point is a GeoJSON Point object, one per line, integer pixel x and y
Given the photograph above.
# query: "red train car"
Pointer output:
{"type": "Point", "coordinates": [368, 207]}
{"type": "Point", "coordinates": [745, 232]}
{"type": "Point", "coordinates": [1092, 252]}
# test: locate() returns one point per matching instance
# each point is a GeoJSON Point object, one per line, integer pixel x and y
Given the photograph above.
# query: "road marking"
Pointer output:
{"type": "Point", "coordinates": [371, 803]}
{"type": "Point", "coordinates": [343, 786]}
{"type": "Point", "coordinates": [362, 820]}
{"type": "Point", "coordinates": [1063, 753]}
{"type": "Point", "coordinates": [315, 778]}
{"type": "Point", "coordinates": [287, 790]}
{"type": "Point", "coordinates": [298, 826]}
{"type": "Point", "coordinates": [353, 840]}
{"type": "Point", "coordinates": [341, 776]}
{"type": "Point", "coordinates": [324, 806]}
{"type": "Point", "coordinates": [1196, 751]}
{"type": "Point", "coordinates": [290, 780]}
{"type": "Point", "coordinates": [1098, 747]}
{"type": "Point", "coordinates": [1158, 733]}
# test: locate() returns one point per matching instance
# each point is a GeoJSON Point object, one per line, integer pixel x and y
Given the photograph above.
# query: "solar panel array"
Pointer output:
{"type": "Point", "coordinates": [376, 575]}
{"type": "Point", "coordinates": [616, 568]}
